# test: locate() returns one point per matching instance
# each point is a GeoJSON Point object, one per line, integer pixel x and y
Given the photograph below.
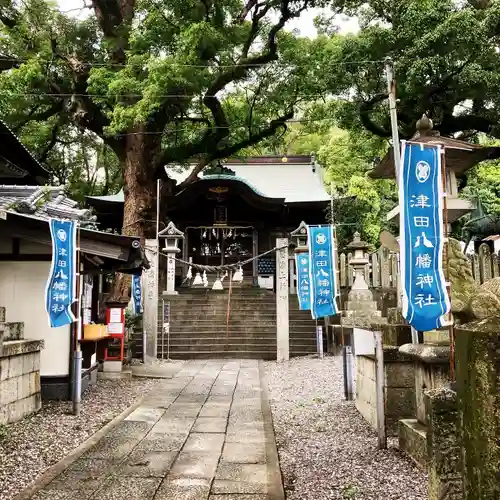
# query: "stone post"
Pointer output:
{"type": "Point", "coordinates": [443, 448]}
{"type": "Point", "coordinates": [282, 306]}
{"type": "Point", "coordinates": [477, 358]}
{"type": "Point", "coordinates": [172, 236]}
{"type": "Point", "coordinates": [150, 298]}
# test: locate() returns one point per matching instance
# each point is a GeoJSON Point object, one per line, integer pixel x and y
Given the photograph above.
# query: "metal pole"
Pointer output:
{"type": "Point", "coordinates": [77, 387]}
{"type": "Point", "coordinates": [168, 342]}
{"type": "Point", "coordinates": [345, 370]}
{"type": "Point", "coordinates": [379, 355]}
{"type": "Point", "coordinates": [319, 340]}
{"type": "Point", "coordinates": [391, 90]}
{"type": "Point", "coordinates": [332, 214]}
{"type": "Point", "coordinates": [163, 330]}
{"type": "Point", "coordinates": [451, 326]}
{"type": "Point", "coordinates": [157, 266]}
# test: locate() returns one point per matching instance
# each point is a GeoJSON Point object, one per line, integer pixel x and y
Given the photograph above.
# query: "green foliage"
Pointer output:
{"type": "Point", "coordinates": [361, 204]}
{"type": "Point", "coordinates": [196, 79]}
{"type": "Point", "coordinates": [483, 182]}
{"type": "Point", "coordinates": [446, 64]}
{"type": "Point", "coordinates": [4, 432]}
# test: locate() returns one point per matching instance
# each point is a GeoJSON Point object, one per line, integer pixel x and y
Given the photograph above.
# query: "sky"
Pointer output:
{"type": "Point", "coordinates": [304, 24]}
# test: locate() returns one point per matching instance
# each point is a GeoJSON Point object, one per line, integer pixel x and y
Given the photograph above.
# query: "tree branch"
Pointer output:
{"type": "Point", "coordinates": [364, 114]}
{"type": "Point", "coordinates": [252, 139]}
{"type": "Point", "coordinates": [53, 110]}
{"type": "Point", "coordinates": [113, 16]}
{"type": "Point", "coordinates": [8, 62]}
{"type": "Point", "coordinates": [51, 144]}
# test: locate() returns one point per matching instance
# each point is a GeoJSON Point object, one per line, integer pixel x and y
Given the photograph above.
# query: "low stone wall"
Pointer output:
{"type": "Point", "coordinates": [19, 379]}
{"type": "Point", "coordinates": [478, 388]}
{"type": "Point", "coordinates": [443, 447]}
{"type": "Point", "coordinates": [399, 387]}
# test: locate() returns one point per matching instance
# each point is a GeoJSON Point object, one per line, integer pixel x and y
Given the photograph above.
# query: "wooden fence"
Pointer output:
{"type": "Point", "coordinates": [383, 268]}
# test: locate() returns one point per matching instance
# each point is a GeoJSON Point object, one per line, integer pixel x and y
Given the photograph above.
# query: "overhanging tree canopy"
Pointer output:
{"type": "Point", "coordinates": [447, 62]}
{"type": "Point", "coordinates": [159, 81]}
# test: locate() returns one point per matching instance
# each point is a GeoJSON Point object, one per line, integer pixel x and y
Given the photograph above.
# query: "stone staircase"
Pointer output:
{"type": "Point", "coordinates": [198, 321]}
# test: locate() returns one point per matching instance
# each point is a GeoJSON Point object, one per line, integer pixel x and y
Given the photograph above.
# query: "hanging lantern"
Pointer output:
{"type": "Point", "coordinates": [218, 285]}
{"type": "Point", "coordinates": [238, 275]}
{"type": "Point", "coordinates": [197, 279]}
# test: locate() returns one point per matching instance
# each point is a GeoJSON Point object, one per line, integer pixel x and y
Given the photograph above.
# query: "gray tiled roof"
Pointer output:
{"type": "Point", "coordinates": [43, 202]}
{"type": "Point", "coordinates": [295, 182]}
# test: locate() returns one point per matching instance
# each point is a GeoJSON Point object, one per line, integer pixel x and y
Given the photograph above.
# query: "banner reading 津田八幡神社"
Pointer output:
{"type": "Point", "coordinates": [322, 271]}
{"type": "Point", "coordinates": [136, 294]}
{"type": "Point", "coordinates": [303, 280]}
{"type": "Point", "coordinates": [60, 292]}
{"type": "Point", "coordinates": [425, 298]}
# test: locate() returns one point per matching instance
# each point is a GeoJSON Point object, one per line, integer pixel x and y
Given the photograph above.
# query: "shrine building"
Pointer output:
{"type": "Point", "coordinates": [235, 211]}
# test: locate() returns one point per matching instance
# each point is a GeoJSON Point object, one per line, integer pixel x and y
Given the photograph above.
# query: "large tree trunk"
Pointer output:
{"type": "Point", "coordinates": [139, 185]}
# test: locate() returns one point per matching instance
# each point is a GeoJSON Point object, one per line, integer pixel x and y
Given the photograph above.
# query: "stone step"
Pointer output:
{"type": "Point", "coordinates": [208, 334]}
{"type": "Point", "coordinates": [248, 330]}
{"type": "Point", "coordinates": [236, 313]}
{"type": "Point", "coordinates": [368, 305]}
{"type": "Point", "coordinates": [264, 355]}
{"type": "Point", "coordinates": [13, 331]}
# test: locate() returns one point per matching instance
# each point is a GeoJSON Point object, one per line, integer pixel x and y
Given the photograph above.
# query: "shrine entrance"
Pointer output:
{"type": "Point", "coordinates": [215, 245]}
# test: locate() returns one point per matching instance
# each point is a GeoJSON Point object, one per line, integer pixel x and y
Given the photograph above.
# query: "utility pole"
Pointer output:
{"type": "Point", "coordinates": [391, 90]}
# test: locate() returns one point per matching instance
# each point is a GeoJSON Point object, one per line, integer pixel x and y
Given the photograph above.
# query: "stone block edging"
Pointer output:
{"type": "Point", "coordinates": [55, 470]}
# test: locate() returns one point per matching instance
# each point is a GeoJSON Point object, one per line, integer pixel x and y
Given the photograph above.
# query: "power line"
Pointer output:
{"type": "Point", "coordinates": [204, 66]}
{"type": "Point", "coordinates": [161, 96]}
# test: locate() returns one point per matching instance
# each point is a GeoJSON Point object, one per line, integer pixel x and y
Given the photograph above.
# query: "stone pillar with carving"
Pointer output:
{"type": "Point", "coordinates": [282, 305]}
{"type": "Point", "coordinates": [150, 298]}
{"type": "Point", "coordinates": [171, 235]}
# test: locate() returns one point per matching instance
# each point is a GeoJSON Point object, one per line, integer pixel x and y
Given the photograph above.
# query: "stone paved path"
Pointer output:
{"type": "Point", "coordinates": [205, 434]}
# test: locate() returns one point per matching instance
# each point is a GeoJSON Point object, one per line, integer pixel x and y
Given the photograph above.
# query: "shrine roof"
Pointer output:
{"type": "Point", "coordinates": [460, 155]}
{"type": "Point", "coordinates": [295, 179]}
{"type": "Point", "coordinates": [43, 202]}
{"type": "Point", "coordinates": [17, 164]}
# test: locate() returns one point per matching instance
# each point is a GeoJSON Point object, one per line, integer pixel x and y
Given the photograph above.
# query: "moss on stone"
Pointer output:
{"type": "Point", "coordinates": [478, 387]}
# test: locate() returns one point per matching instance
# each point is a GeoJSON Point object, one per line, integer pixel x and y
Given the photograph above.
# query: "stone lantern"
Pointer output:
{"type": "Point", "coordinates": [360, 309]}
{"type": "Point", "coordinates": [171, 235]}
{"type": "Point", "coordinates": [359, 261]}
{"type": "Point", "coordinates": [299, 237]}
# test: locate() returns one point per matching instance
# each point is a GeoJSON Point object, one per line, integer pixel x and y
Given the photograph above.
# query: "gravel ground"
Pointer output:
{"type": "Point", "coordinates": [29, 447]}
{"type": "Point", "coordinates": [326, 448]}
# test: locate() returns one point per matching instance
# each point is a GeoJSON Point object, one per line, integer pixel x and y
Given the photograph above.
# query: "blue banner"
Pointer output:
{"type": "Point", "coordinates": [303, 281]}
{"type": "Point", "coordinates": [136, 294]}
{"type": "Point", "coordinates": [425, 298]}
{"type": "Point", "coordinates": [322, 271]}
{"type": "Point", "coordinates": [60, 292]}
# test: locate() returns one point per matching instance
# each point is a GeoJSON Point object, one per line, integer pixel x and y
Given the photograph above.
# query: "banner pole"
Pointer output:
{"type": "Point", "coordinates": [77, 395]}
{"type": "Point", "coordinates": [446, 258]}
{"type": "Point", "coordinates": [391, 90]}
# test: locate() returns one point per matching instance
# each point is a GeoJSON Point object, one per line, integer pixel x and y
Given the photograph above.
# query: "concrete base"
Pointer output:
{"type": "Point", "coordinates": [413, 441]}
{"type": "Point", "coordinates": [112, 366]}
{"type": "Point", "coordinates": [123, 375]}
{"type": "Point", "coordinates": [399, 388]}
